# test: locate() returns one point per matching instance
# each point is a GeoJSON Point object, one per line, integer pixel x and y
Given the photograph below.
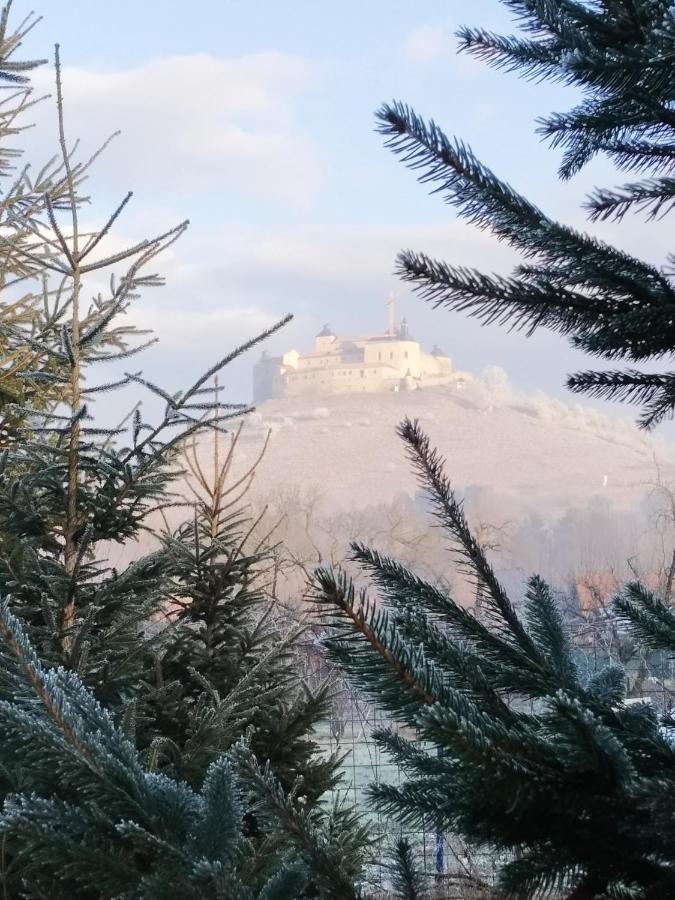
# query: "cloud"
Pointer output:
{"type": "Point", "coordinates": [243, 281]}
{"type": "Point", "coordinates": [190, 341]}
{"type": "Point", "coordinates": [428, 44]}
{"type": "Point", "coordinates": [198, 122]}
{"type": "Point", "coordinates": [431, 45]}
{"type": "Point", "coordinates": [226, 286]}
{"type": "Point", "coordinates": [210, 330]}
{"type": "Point", "coordinates": [335, 274]}
{"type": "Point", "coordinates": [347, 259]}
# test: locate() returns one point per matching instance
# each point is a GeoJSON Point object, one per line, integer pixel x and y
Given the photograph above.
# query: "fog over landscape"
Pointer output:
{"type": "Point", "coordinates": [566, 489]}
{"type": "Point", "coordinates": [265, 138]}
{"type": "Point", "coordinates": [288, 215]}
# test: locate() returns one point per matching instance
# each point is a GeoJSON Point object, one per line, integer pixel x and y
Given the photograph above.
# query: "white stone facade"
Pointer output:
{"type": "Point", "coordinates": [389, 362]}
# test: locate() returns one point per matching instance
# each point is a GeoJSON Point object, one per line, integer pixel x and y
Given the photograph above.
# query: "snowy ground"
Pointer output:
{"type": "Point", "coordinates": [537, 452]}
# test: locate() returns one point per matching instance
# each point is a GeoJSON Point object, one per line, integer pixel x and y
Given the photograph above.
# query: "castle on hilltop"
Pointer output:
{"type": "Point", "coordinates": [391, 361]}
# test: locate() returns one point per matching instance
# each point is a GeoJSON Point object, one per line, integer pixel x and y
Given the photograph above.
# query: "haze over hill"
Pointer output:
{"type": "Point", "coordinates": [543, 454]}
{"type": "Point", "coordinates": [569, 490]}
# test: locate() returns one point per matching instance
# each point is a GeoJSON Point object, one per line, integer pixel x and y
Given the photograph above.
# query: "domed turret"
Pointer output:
{"type": "Point", "coordinates": [325, 340]}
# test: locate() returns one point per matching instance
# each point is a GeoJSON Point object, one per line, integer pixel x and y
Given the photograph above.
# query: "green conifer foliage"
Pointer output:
{"type": "Point", "coordinates": [113, 773]}
{"type": "Point", "coordinates": [571, 785]}
{"type": "Point", "coordinates": [561, 777]}
{"type": "Point", "coordinates": [230, 661]}
{"type": "Point", "coordinates": [96, 823]}
{"type": "Point", "coordinates": [618, 53]}
{"type": "Point", "coordinates": [69, 488]}
{"type": "Point", "coordinates": [24, 316]}
{"type": "Point", "coordinates": [85, 818]}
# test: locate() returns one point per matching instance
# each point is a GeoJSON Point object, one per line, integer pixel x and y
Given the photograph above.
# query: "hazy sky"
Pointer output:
{"type": "Point", "coordinates": [255, 120]}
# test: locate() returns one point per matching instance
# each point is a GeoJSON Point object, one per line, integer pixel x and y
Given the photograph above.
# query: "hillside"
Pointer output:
{"type": "Point", "coordinates": [539, 452]}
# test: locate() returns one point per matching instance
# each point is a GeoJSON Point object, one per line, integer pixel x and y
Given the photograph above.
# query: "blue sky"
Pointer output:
{"type": "Point", "coordinates": [255, 120]}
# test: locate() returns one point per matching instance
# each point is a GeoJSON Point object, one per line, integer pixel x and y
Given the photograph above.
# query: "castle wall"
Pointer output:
{"type": "Point", "coordinates": [431, 365]}
{"type": "Point", "coordinates": [345, 379]}
{"type": "Point", "coordinates": [400, 355]}
{"type": "Point", "coordinates": [360, 365]}
{"type": "Point", "coordinates": [268, 379]}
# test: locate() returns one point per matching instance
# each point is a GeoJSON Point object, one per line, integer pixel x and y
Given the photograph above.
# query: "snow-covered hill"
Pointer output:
{"type": "Point", "coordinates": [542, 453]}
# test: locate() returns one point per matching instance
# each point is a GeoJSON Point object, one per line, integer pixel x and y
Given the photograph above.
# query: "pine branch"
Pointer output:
{"type": "Point", "coordinates": [519, 303]}
{"type": "Point", "coordinates": [429, 466]}
{"type": "Point", "coordinates": [492, 204]}
{"type": "Point", "coordinates": [655, 196]}
{"type": "Point", "coordinates": [407, 881]}
{"type": "Point", "coordinates": [324, 858]}
{"type": "Point", "coordinates": [488, 661]}
{"type": "Point", "coordinates": [549, 632]}
{"type": "Point", "coordinates": [650, 619]}
{"type": "Point", "coordinates": [655, 392]}
{"type": "Point", "coordinates": [392, 664]}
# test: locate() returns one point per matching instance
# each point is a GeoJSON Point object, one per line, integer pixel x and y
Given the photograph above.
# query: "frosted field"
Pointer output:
{"type": "Point", "coordinates": [535, 451]}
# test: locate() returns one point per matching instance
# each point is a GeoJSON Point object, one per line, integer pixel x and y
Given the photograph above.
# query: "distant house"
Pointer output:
{"type": "Point", "coordinates": [387, 362]}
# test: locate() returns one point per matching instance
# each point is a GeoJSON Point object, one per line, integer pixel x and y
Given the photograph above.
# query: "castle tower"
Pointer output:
{"type": "Point", "coordinates": [325, 340]}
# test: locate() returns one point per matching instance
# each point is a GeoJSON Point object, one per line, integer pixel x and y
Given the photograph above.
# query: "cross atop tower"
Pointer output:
{"type": "Point", "coordinates": [391, 306]}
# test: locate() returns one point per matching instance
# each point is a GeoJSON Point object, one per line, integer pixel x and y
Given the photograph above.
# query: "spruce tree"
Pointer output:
{"type": "Point", "coordinates": [230, 659]}
{"type": "Point", "coordinates": [229, 662]}
{"type": "Point", "coordinates": [23, 316]}
{"type": "Point", "coordinates": [70, 487]}
{"type": "Point", "coordinates": [609, 303]}
{"type": "Point", "coordinates": [562, 779]}
{"type": "Point", "coordinates": [96, 823]}
{"type": "Point", "coordinates": [135, 718]}
{"type": "Point", "coordinates": [517, 752]}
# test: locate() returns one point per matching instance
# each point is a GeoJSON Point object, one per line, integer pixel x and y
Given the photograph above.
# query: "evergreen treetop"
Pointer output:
{"type": "Point", "coordinates": [567, 784]}
{"type": "Point", "coordinates": [556, 775]}
{"type": "Point", "coordinates": [23, 314]}
{"type": "Point", "coordinates": [70, 487]}
{"type": "Point", "coordinates": [609, 303]}
{"type": "Point", "coordinates": [134, 719]}
{"type": "Point", "coordinates": [228, 660]}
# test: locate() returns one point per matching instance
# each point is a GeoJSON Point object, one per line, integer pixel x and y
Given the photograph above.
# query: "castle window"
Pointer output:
{"type": "Point", "coordinates": [406, 354]}
{"type": "Point", "coordinates": [362, 373]}
{"type": "Point", "coordinates": [391, 356]}
{"type": "Point", "coordinates": [379, 356]}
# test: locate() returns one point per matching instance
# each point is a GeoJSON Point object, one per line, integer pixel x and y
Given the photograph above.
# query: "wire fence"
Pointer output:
{"type": "Point", "coordinates": [444, 858]}
{"type": "Point", "coordinates": [454, 870]}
